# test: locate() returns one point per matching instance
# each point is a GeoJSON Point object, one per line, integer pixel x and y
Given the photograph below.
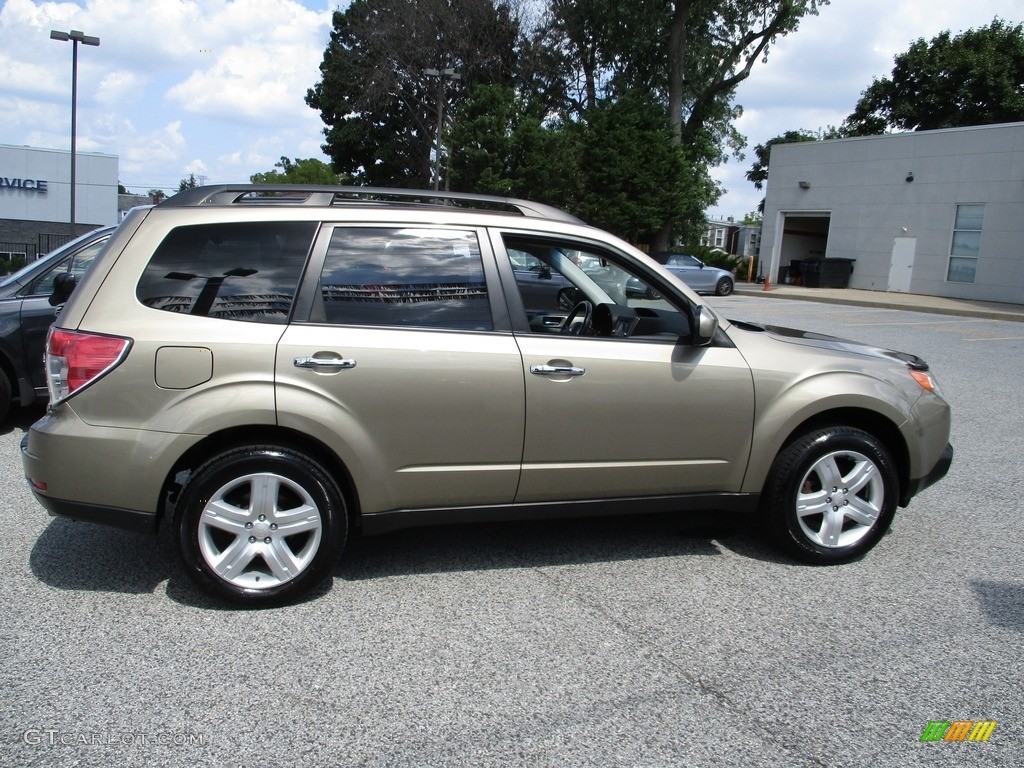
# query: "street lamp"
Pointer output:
{"type": "Point", "coordinates": [443, 76]}
{"type": "Point", "coordinates": [76, 37]}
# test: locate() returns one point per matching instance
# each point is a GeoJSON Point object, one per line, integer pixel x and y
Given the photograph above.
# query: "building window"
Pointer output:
{"type": "Point", "coordinates": [963, 253]}
{"type": "Point", "coordinates": [719, 238]}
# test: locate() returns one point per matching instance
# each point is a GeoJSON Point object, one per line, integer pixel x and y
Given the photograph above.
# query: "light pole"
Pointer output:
{"type": "Point", "coordinates": [443, 76]}
{"type": "Point", "coordinates": [76, 37]}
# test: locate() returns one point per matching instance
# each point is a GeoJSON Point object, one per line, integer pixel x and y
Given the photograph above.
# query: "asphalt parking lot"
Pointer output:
{"type": "Point", "coordinates": [652, 641]}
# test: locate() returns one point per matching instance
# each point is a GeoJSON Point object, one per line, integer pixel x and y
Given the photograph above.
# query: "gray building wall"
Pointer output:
{"type": "Point", "coordinates": [35, 192]}
{"type": "Point", "coordinates": [900, 191]}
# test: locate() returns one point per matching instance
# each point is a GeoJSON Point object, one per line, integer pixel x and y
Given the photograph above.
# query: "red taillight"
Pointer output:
{"type": "Point", "coordinates": [74, 359]}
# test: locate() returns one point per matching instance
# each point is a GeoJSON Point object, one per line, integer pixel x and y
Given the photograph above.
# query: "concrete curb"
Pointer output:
{"type": "Point", "coordinates": [908, 302]}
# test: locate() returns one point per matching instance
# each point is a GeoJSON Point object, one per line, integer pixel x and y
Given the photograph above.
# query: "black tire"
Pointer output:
{"type": "Point", "coordinates": [230, 517]}
{"type": "Point", "coordinates": [831, 495]}
{"type": "Point", "coordinates": [723, 287]}
{"type": "Point", "coordinates": [5, 395]}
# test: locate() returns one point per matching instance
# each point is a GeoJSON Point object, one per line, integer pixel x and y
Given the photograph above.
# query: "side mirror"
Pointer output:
{"type": "Point", "coordinates": [63, 285]}
{"type": "Point", "coordinates": [545, 272]}
{"type": "Point", "coordinates": [705, 326]}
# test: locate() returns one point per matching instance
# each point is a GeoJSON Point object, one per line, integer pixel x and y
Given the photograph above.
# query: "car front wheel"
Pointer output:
{"type": "Point", "coordinates": [260, 525]}
{"type": "Point", "coordinates": [724, 287]}
{"type": "Point", "coordinates": [831, 495]}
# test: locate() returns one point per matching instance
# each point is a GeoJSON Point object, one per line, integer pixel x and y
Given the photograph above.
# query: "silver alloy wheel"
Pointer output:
{"type": "Point", "coordinates": [259, 531]}
{"type": "Point", "coordinates": [839, 499]}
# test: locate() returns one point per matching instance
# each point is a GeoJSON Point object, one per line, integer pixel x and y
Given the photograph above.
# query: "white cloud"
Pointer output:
{"type": "Point", "coordinates": [161, 148]}
{"type": "Point", "coordinates": [259, 72]}
{"type": "Point", "coordinates": [196, 167]}
{"type": "Point", "coordinates": [119, 87]}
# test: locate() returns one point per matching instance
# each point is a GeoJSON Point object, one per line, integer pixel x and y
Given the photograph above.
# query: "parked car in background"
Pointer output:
{"type": "Point", "coordinates": [695, 273]}
{"type": "Point", "coordinates": [269, 369]}
{"type": "Point", "coordinates": [26, 315]}
{"type": "Point", "coordinates": [539, 285]}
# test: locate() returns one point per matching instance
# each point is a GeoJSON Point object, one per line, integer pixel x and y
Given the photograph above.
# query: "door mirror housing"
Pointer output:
{"type": "Point", "coordinates": [705, 326]}
{"type": "Point", "coordinates": [63, 285]}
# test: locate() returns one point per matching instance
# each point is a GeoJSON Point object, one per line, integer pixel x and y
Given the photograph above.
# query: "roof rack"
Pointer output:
{"type": "Point", "coordinates": [317, 195]}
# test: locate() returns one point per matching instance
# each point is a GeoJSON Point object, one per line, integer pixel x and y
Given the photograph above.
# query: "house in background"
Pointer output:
{"type": "Point", "coordinates": [931, 212]}
{"type": "Point", "coordinates": [735, 239]}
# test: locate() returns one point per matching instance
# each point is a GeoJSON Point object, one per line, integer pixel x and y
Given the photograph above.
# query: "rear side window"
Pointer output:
{"type": "Point", "coordinates": [430, 278]}
{"type": "Point", "coordinates": [235, 271]}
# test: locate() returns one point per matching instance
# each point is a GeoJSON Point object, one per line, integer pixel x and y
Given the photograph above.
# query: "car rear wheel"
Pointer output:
{"type": "Point", "coordinates": [831, 495]}
{"type": "Point", "coordinates": [723, 287]}
{"type": "Point", "coordinates": [260, 525]}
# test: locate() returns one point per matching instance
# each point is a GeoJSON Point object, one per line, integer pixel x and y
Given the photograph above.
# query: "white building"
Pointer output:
{"type": "Point", "coordinates": [931, 212]}
{"type": "Point", "coordinates": [35, 196]}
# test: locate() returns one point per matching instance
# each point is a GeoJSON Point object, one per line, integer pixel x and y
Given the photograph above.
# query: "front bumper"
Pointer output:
{"type": "Point", "coordinates": [936, 473]}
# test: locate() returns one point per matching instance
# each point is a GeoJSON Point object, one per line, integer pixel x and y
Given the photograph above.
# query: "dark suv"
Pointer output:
{"type": "Point", "coordinates": [267, 369]}
{"type": "Point", "coordinates": [26, 315]}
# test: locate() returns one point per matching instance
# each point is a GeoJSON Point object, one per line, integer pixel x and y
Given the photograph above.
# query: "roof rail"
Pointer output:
{"type": "Point", "coordinates": [318, 195]}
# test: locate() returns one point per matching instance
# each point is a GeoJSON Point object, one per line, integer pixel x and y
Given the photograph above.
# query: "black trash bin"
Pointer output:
{"type": "Point", "coordinates": [810, 271]}
{"type": "Point", "coordinates": [835, 273]}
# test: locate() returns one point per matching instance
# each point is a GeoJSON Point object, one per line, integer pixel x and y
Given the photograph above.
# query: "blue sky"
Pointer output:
{"type": "Point", "coordinates": [216, 87]}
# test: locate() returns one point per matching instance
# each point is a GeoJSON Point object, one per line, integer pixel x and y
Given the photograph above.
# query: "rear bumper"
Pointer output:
{"type": "Point", "coordinates": [937, 472]}
{"type": "Point", "coordinates": [127, 519]}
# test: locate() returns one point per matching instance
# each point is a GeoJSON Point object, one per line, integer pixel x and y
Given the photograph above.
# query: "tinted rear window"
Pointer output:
{"type": "Point", "coordinates": [236, 271]}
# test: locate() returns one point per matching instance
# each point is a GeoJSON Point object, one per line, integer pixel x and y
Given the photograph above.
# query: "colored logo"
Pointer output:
{"type": "Point", "coordinates": [958, 730]}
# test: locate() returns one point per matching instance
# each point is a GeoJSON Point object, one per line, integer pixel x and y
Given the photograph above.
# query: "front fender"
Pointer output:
{"type": "Point", "coordinates": [809, 399]}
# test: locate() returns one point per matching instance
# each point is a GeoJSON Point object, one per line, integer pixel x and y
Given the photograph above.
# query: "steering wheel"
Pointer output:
{"type": "Point", "coordinates": [584, 311]}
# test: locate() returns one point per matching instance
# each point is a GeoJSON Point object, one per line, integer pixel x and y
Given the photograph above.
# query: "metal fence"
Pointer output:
{"type": "Point", "coordinates": [47, 242]}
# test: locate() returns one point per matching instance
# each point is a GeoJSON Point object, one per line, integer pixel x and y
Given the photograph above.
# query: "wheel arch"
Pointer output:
{"type": "Point", "coordinates": [263, 435]}
{"type": "Point", "coordinates": [874, 423]}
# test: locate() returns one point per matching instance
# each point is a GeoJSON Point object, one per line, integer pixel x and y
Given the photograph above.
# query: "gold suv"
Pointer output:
{"type": "Point", "coordinates": [269, 369]}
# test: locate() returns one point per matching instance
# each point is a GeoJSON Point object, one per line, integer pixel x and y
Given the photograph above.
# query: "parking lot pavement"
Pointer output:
{"type": "Point", "coordinates": [652, 641]}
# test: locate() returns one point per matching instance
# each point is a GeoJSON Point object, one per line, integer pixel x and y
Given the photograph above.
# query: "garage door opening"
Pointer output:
{"type": "Point", "coordinates": [804, 239]}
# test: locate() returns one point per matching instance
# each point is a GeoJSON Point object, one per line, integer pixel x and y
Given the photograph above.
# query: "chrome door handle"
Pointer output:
{"type": "Point", "coordinates": [333, 363]}
{"type": "Point", "coordinates": [557, 370]}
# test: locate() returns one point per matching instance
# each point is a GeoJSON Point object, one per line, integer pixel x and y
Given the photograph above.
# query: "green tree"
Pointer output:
{"type": "Point", "coordinates": [634, 175]}
{"type": "Point", "coordinates": [690, 55]}
{"type": "Point", "coordinates": [975, 78]}
{"type": "Point", "coordinates": [189, 183]}
{"type": "Point", "coordinates": [379, 108]}
{"type": "Point", "coordinates": [300, 171]}
{"type": "Point", "coordinates": [758, 173]}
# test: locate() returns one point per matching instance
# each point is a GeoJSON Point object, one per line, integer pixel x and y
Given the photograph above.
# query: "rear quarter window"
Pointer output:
{"type": "Point", "coordinates": [234, 271]}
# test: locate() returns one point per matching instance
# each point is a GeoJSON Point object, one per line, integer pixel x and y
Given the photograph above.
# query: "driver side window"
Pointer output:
{"type": "Point", "coordinates": [573, 288]}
